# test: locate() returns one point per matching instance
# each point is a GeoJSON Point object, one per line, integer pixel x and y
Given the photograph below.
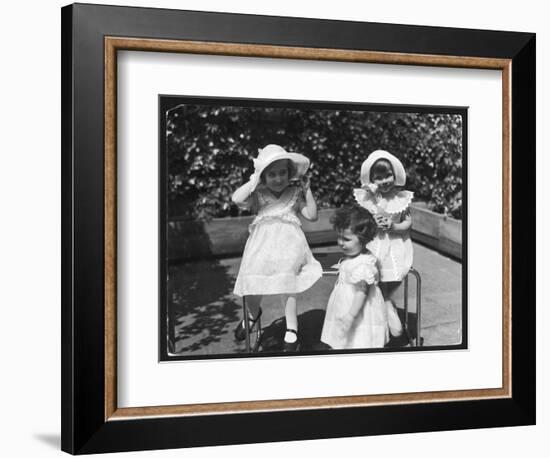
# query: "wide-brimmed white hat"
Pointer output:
{"type": "Point", "coordinates": [398, 169]}
{"type": "Point", "coordinates": [271, 153]}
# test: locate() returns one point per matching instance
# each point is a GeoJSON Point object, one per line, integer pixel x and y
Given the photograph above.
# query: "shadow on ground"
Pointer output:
{"type": "Point", "coordinates": [200, 293]}
{"type": "Point", "coordinates": [310, 324]}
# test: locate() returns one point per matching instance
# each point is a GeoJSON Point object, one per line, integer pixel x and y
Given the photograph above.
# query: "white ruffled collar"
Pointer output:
{"type": "Point", "coordinates": [392, 203]}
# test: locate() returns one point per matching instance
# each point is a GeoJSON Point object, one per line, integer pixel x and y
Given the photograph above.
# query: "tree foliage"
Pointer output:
{"type": "Point", "coordinates": [209, 151]}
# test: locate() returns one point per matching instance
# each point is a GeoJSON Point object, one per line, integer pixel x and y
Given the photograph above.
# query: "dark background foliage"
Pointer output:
{"type": "Point", "coordinates": [210, 149]}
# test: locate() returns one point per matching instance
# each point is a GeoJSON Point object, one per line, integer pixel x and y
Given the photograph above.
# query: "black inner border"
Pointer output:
{"type": "Point", "coordinates": [167, 102]}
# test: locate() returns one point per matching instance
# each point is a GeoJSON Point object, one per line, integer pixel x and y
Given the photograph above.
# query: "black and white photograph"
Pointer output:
{"type": "Point", "coordinates": [306, 227]}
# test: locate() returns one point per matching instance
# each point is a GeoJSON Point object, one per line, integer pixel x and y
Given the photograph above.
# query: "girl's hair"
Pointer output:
{"type": "Point", "coordinates": [290, 165]}
{"type": "Point", "coordinates": [358, 220]}
{"type": "Point", "coordinates": [381, 166]}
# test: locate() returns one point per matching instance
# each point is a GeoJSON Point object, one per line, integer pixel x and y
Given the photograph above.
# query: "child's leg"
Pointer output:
{"type": "Point", "coordinates": [394, 323]}
{"type": "Point", "coordinates": [291, 316]}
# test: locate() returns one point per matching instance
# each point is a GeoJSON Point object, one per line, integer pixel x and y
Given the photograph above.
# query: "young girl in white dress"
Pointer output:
{"type": "Point", "coordinates": [276, 259]}
{"type": "Point", "coordinates": [382, 194]}
{"type": "Point", "coordinates": [356, 315]}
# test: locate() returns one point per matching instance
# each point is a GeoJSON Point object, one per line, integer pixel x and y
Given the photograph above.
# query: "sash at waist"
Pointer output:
{"type": "Point", "coordinates": [285, 218]}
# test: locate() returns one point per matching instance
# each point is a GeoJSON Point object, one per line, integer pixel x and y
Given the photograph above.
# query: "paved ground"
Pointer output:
{"type": "Point", "coordinates": [206, 311]}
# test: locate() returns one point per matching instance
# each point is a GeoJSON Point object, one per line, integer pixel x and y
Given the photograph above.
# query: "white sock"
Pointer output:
{"type": "Point", "coordinates": [394, 323]}
{"type": "Point", "coordinates": [291, 318]}
{"type": "Point", "coordinates": [290, 337]}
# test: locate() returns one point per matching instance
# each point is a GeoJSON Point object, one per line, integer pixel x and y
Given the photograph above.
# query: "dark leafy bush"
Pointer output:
{"type": "Point", "coordinates": [210, 150]}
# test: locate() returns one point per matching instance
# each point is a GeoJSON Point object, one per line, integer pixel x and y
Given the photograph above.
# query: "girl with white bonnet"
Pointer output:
{"type": "Point", "coordinates": [383, 177]}
{"type": "Point", "coordinates": [276, 259]}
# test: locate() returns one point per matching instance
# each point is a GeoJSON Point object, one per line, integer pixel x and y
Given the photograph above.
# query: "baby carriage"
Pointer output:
{"type": "Point", "coordinates": [253, 334]}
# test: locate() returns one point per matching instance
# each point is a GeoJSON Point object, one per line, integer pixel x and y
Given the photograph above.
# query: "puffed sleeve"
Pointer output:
{"type": "Point", "coordinates": [365, 271]}
{"type": "Point", "coordinates": [405, 214]}
{"type": "Point", "coordinates": [245, 197]}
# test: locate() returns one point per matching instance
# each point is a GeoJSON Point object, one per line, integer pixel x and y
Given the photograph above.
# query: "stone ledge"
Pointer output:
{"type": "Point", "coordinates": [188, 240]}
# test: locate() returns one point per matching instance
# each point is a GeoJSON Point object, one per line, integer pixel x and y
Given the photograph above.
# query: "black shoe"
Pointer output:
{"type": "Point", "coordinates": [402, 340]}
{"type": "Point", "coordinates": [240, 331]}
{"type": "Point", "coordinates": [322, 346]}
{"type": "Point", "coordinates": [291, 346]}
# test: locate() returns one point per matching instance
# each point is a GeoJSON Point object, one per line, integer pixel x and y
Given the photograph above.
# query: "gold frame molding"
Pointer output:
{"type": "Point", "coordinates": [114, 44]}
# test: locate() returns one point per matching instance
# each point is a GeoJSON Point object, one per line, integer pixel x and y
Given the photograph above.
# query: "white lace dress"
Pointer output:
{"type": "Point", "coordinates": [393, 251]}
{"type": "Point", "coordinates": [370, 328]}
{"type": "Point", "coordinates": [276, 258]}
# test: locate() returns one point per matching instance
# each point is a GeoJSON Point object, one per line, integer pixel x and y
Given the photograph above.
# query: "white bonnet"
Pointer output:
{"type": "Point", "coordinates": [398, 169]}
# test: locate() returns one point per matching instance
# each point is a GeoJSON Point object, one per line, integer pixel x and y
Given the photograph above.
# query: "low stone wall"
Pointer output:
{"type": "Point", "coordinates": [437, 231]}
{"type": "Point", "coordinates": [227, 236]}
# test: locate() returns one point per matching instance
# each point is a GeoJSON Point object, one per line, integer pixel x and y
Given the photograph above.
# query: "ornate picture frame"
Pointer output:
{"type": "Point", "coordinates": [92, 38]}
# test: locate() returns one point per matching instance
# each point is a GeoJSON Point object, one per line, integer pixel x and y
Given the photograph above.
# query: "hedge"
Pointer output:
{"type": "Point", "coordinates": [209, 151]}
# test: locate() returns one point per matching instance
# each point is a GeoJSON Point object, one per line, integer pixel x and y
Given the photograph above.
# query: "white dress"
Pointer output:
{"type": "Point", "coordinates": [276, 258]}
{"type": "Point", "coordinates": [393, 251]}
{"type": "Point", "coordinates": [370, 328]}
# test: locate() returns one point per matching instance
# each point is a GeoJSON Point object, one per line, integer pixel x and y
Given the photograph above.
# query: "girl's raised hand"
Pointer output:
{"type": "Point", "coordinates": [379, 220]}
{"type": "Point", "coordinates": [383, 222]}
{"type": "Point", "coordinates": [371, 187]}
{"type": "Point", "coordinates": [305, 183]}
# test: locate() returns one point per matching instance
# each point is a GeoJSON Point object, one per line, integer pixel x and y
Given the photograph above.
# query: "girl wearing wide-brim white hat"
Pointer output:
{"type": "Point", "coordinates": [383, 177]}
{"type": "Point", "coordinates": [277, 259]}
